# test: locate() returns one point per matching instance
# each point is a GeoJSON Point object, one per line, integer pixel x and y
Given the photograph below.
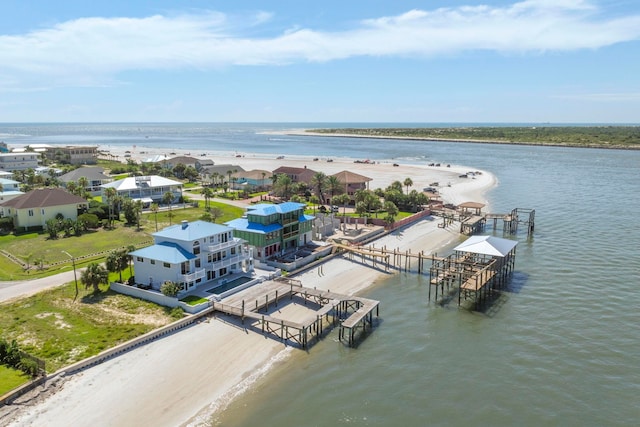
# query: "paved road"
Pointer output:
{"type": "Point", "coordinates": [23, 288]}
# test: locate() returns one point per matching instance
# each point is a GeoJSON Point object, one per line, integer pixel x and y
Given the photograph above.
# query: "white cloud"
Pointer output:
{"type": "Point", "coordinates": [92, 51]}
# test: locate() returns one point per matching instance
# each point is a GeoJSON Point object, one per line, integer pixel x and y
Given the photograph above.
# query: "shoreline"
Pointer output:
{"type": "Point", "coordinates": [187, 377]}
{"type": "Point", "coordinates": [471, 141]}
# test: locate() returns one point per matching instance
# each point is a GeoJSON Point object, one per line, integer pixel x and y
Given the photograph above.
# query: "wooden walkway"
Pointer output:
{"type": "Point", "coordinates": [351, 313]}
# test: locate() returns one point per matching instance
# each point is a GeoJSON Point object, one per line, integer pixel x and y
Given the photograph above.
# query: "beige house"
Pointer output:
{"type": "Point", "coordinates": [36, 207]}
{"type": "Point", "coordinates": [352, 182]}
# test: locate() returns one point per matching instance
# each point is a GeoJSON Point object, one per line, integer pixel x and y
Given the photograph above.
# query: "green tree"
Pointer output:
{"type": "Point", "coordinates": [392, 212]}
{"type": "Point", "coordinates": [154, 209]}
{"type": "Point", "coordinates": [207, 192]}
{"type": "Point", "coordinates": [319, 184]}
{"type": "Point", "coordinates": [167, 199]}
{"type": "Point", "coordinates": [170, 289]}
{"type": "Point", "coordinates": [408, 182]}
{"type": "Point", "coordinates": [334, 186]}
{"type": "Point", "coordinates": [93, 276]}
{"type": "Point", "coordinates": [190, 174]}
{"type": "Point", "coordinates": [117, 261]}
{"type": "Point", "coordinates": [178, 170]}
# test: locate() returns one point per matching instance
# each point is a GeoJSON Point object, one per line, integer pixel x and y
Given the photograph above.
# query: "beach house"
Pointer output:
{"type": "Point", "coordinates": [95, 177]}
{"type": "Point", "coordinates": [35, 208]}
{"type": "Point", "coordinates": [147, 189]}
{"type": "Point", "coordinates": [297, 175]}
{"type": "Point", "coordinates": [191, 254]}
{"type": "Point", "coordinates": [352, 182]}
{"type": "Point", "coordinates": [273, 230]}
{"type": "Point", "coordinates": [18, 161]}
{"type": "Point", "coordinates": [73, 154]}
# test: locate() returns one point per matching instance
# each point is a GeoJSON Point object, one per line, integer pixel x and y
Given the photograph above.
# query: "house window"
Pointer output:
{"type": "Point", "coordinates": [153, 262]}
{"type": "Point", "coordinates": [212, 239]}
{"type": "Point", "coordinates": [233, 250]}
{"type": "Point", "coordinates": [30, 212]}
{"type": "Point", "coordinates": [166, 265]}
{"type": "Point", "coordinates": [139, 259]}
{"type": "Point", "coordinates": [42, 211]}
{"type": "Point", "coordinates": [197, 262]}
{"type": "Point", "coordinates": [196, 248]}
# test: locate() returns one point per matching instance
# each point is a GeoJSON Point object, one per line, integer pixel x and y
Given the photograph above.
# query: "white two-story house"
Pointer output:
{"type": "Point", "coordinates": [191, 254]}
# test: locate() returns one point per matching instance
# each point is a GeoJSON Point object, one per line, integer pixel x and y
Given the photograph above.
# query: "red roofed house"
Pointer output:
{"type": "Point", "coordinates": [352, 182]}
{"type": "Point", "coordinates": [36, 207]}
{"type": "Point", "coordinates": [296, 174]}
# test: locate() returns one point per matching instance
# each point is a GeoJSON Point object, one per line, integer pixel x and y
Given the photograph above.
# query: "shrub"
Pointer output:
{"type": "Point", "coordinates": [170, 289]}
{"type": "Point", "coordinates": [90, 220]}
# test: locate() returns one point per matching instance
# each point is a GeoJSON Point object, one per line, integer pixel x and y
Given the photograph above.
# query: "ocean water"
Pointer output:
{"type": "Point", "coordinates": [560, 346]}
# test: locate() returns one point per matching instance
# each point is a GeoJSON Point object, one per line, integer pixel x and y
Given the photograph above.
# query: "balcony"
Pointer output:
{"type": "Point", "coordinates": [191, 277]}
{"type": "Point", "coordinates": [231, 260]}
{"type": "Point", "coordinates": [221, 246]}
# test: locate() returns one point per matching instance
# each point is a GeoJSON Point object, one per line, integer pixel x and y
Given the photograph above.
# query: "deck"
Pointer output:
{"type": "Point", "coordinates": [296, 314]}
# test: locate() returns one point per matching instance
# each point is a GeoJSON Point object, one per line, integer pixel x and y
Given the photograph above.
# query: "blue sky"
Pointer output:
{"type": "Point", "coordinates": [558, 61]}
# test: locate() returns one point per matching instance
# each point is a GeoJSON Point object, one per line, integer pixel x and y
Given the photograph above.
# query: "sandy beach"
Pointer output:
{"type": "Point", "coordinates": [184, 378]}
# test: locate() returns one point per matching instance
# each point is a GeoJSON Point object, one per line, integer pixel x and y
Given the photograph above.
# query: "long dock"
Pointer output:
{"type": "Point", "coordinates": [259, 302]}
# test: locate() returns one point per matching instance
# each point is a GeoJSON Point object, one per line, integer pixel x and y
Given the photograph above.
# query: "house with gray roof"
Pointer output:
{"type": "Point", "coordinates": [191, 254]}
{"type": "Point", "coordinates": [95, 177]}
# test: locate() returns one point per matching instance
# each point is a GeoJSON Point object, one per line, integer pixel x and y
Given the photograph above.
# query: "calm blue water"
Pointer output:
{"type": "Point", "coordinates": [561, 347]}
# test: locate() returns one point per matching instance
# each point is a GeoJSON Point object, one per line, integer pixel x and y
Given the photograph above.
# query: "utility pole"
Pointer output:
{"type": "Point", "coordinates": [75, 276]}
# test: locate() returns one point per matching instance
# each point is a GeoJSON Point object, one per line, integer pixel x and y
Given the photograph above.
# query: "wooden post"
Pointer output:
{"type": "Point", "coordinates": [242, 312]}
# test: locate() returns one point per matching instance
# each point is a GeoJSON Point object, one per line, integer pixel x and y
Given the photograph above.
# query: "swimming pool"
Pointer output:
{"type": "Point", "coordinates": [229, 285]}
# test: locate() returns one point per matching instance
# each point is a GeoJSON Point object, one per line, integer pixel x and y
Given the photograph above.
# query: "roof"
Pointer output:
{"type": "Point", "coordinates": [43, 198]}
{"type": "Point", "coordinates": [6, 181]}
{"type": "Point", "coordinates": [189, 231]}
{"type": "Point", "coordinates": [472, 205]}
{"type": "Point", "coordinates": [487, 245]}
{"type": "Point", "coordinates": [185, 160]}
{"type": "Point", "coordinates": [165, 252]}
{"type": "Point", "coordinates": [135, 182]}
{"type": "Point", "coordinates": [222, 169]}
{"type": "Point", "coordinates": [265, 209]}
{"type": "Point", "coordinates": [254, 227]}
{"type": "Point", "coordinates": [256, 174]}
{"type": "Point", "coordinates": [347, 177]}
{"type": "Point", "coordinates": [91, 173]}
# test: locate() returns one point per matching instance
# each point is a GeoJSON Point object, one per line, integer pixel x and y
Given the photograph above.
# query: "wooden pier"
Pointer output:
{"type": "Point", "coordinates": [473, 221]}
{"type": "Point", "coordinates": [351, 313]}
{"type": "Point", "coordinates": [475, 269]}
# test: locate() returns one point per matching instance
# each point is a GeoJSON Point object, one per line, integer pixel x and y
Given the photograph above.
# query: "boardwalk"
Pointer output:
{"type": "Point", "coordinates": [295, 314]}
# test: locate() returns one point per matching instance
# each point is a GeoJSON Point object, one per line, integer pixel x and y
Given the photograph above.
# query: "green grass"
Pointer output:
{"type": "Point", "coordinates": [50, 325]}
{"type": "Point", "coordinates": [193, 300]}
{"type": "Point", "coordinates": [35, 247]}
{"type": "Point", "coordinates": [11, 378]}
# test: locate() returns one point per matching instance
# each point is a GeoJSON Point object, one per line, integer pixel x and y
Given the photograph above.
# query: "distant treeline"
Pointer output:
{"type": "Point", "coordinates": [627, 137]}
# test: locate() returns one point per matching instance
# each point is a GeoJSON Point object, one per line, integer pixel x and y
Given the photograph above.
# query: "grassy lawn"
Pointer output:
{"type": "Point", "coordinates": [34, 247]}
{"type": "Point", "coordinates": [11, 378]}
{"type": "Point", "coordinates": [50, 325]}
{"type": "Point", "coordinates": [193, 300]}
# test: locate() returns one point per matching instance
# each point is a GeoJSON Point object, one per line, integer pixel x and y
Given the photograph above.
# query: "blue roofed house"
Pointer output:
{"type": "Point", "coordinates": [191, 254]}
{"type": "Point", "coordinates": [273, 230]}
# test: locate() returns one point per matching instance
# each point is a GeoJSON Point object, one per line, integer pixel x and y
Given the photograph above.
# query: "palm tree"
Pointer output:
{"type": "Point", "coordinates": [83, 183]}
{"type": "Point", "coordinates": [263, 175]}
{"type": "Point", "coordinates": [137, 208]}
{"type": "Point", "coordinates": [110, 193]}
{"type": "Point", "coordinates": [319, 183]}
{"type": "Point", "coordinates": [334, 186]}
{"type": "Point", "coordinates": [208, 194]}
{"type": "Point", "coordinates": [94, 275]}
{"type": "Point", "coordinates": [343, 200]}
{"type": "Point", "coordinates": [408, 182]}
{"type": "Point", "coordinates": [167, 198]}
{"type": "Point", "coordinates": [154, 208]}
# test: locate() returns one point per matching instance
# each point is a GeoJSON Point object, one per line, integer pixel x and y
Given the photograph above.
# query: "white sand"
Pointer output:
{"type": "Point", "coordinates": [187, 376]}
